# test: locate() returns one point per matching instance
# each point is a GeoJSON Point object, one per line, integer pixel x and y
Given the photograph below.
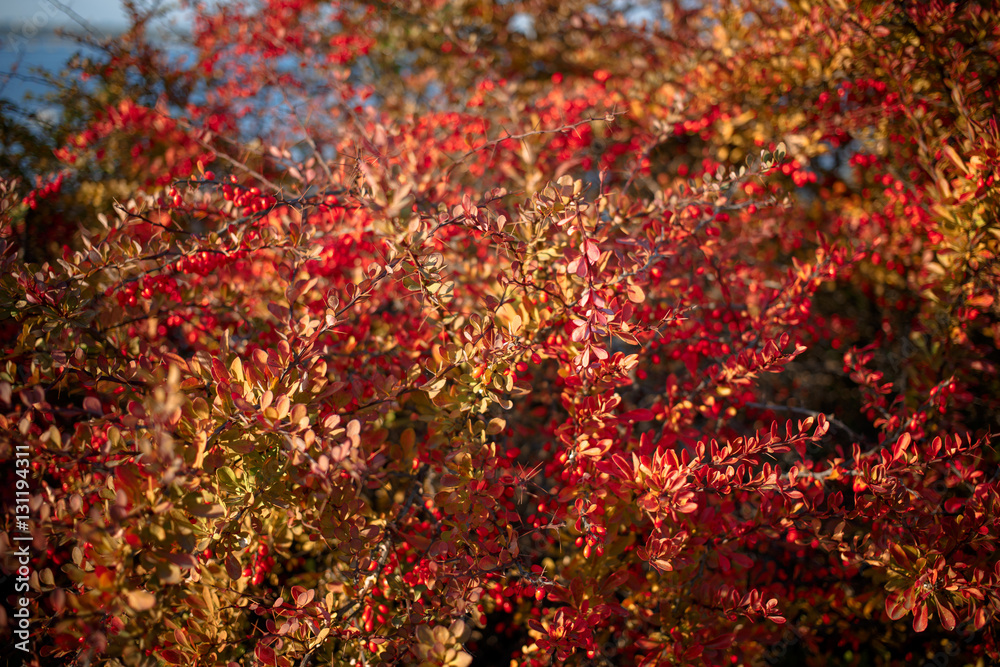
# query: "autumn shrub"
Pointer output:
{"type": "Point", "coordinates": [531, 333]}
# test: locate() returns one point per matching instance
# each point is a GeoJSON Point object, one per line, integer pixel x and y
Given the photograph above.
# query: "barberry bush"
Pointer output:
{"type": "Point", "coordinates": [522, 333]}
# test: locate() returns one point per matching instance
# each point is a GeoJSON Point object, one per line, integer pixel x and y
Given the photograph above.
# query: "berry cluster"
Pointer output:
{"type": "Point", "coordinates": [144, 288]}
{"type": "Point", "coordinates": [247, 200]}
{"type": "Point", "coordinates": [44, 191]}
{"type": "Point", "coordinates": [261, 566]}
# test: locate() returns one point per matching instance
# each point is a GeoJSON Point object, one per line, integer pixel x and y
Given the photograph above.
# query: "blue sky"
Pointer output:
{"type": "Point", "coordinates": [99, 12]}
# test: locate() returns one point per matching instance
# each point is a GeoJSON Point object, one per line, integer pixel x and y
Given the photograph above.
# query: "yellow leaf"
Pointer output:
{"type": "Point", "coordinates": [141, 600]}
{"type": "Point", "coordinates": [237, 369]}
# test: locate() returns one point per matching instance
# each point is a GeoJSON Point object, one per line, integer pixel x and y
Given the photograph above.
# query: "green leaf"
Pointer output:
{"type": "Point", "coordinates": [226, 477]}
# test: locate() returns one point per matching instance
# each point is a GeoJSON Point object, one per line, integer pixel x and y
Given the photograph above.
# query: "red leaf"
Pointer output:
{"type": "Point", "coordinates": [265, 654]}
{"type": "Point", "coordinates": [171, 657]}
{"type": "Point", "coordinates": [920, 618]}
{"type": "Point", "coordinates": [233, 567]}
{"type": "Point", "coordinates": [946, 615]}
{"type": "Point", "coordinates": [953, 505]}
{"type": "Point", "coordinates": [640, 415]}
{"type": "Point", "coordinates": [901, 446]}
{"type": "Point", "coordinates": [742, 560]}
{"type": "Point", "coordinates": [894, 607]}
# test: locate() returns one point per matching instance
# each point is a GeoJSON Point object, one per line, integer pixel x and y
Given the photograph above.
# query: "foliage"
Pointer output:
{"type": "Point", "coordinates": [424, 333]}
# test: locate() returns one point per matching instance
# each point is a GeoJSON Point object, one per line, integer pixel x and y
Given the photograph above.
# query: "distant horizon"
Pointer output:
{"type": "Point", "coordinates": [46, 15]}
{"type": "Point", "coordinates": [41, 20]}
{"type": "Point", "coordinates": [15, 29]}
{"type": "Point", "coordinates": [13, 35]}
